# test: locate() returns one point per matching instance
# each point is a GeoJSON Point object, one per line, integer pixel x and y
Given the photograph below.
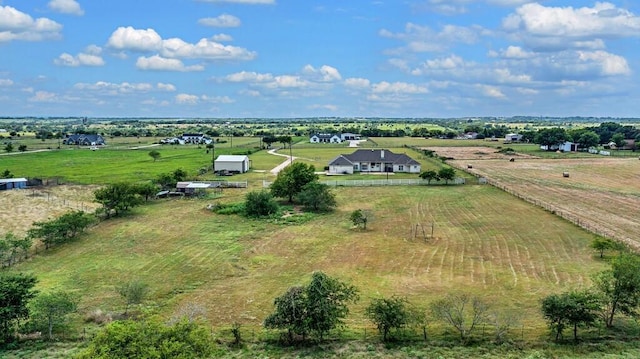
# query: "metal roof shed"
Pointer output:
{"type": "Point", "coordinates": [13, 183]}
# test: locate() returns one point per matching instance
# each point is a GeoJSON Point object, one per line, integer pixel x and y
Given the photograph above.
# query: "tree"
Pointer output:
{"type": "Point", "coordinates": [62, 229]}
{"type": "Point", "coordinates": [315, 308]}
{"type": "Point", "coordinates": [146, 190]}
{"type": "Point", "coordinates": [260, 204]}
{"type": "Point", "coordinates": [13, 247]}
{"type": "Point", "coordinates": [292, 179]}
{"type": "Point", "coordinates": [463, 312]}
{"type": "Point", "coordinates": [6, 174]}
{"type": "Point", "coordinates": [601, 244]}
{"type": "Point", "coordinates": [620, 286]}
{"type": "Point", "coordinates": [550, 137]}
{"type": "Point", "coordinates": [588, 139]}
{"type": "Point", "coordinates": [429, 175]}
{"type": "Point", "coordinates": [317, 197]}
{"type": "Point", "coordinates": [447, 174]}
{"type": "Point", "coordinates": [22, 148]}
{"type": "Point", "coordinates": [290, 313]}
{"type": "Point", "coordinates": [133, 292]}
{"type": "Point", "coordinates": [327, 300]}
{"type": "Point", "coordinates": [269, 139]}
{"type": "Point", "coordinates": [155, 154]}
{"type": "Point", "coordinates": [572, 308]}
{"type": "Point", "coordinates": [150, 339]}
{"type": "Point", "coordinates": [51, 309]}
{"type": "Point", "coordinates": [16, 290]}
{"type": "Point", "coordinates": [9, 147]}
{"type": "Point", "coordinates": [617, 138]}
{"type": "Point", "coordinates": [117, 197]}
{"type": "Point", "coordinates": [359, 218]}
{"type": "Point", "coordinates": [388, 314]}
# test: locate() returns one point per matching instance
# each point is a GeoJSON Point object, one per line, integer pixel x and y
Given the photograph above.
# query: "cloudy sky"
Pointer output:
{"type": "Point", "coordinates": [305, 58]}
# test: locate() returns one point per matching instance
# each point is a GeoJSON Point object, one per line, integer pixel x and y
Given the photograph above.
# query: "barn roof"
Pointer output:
{"type": "Point", "coordinates": [13, 180]}
{"type": "Point", "coordinates": [231, 158]}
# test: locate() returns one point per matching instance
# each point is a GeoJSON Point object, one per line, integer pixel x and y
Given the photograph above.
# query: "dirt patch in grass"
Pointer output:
{"type": "Point", "coordinates": [20, 208]}
{"type": "Point", "coordinates": [475, 153]}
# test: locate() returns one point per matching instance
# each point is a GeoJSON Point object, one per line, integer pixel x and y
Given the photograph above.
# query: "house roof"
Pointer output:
{"type": "Point", "coordinates": [231, 158]}
{"type": "Point", "coordinates": [341, 160]}
{"type": "Point", "coordinates": [82, 137]}
{"type": "Point", "coordinates": [325, 135]}
{"type": "Point", "coordinates": [12, 180]}
{"type": "Point", "coordinates": [382, 155]}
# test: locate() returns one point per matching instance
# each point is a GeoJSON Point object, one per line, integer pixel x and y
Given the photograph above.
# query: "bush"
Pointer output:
{"type": "Point", "coordinates": [260, 204]}
{"type": "Point", "coordinates": [228, 208]}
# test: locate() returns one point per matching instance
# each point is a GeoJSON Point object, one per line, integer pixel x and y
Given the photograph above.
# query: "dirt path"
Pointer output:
{"type": "Point", "coordinates": [280, 167]}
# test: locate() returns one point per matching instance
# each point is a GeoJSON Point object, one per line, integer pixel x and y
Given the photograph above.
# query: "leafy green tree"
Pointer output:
{"type": "Point", "coordinates": [51, 310]}
{"type": "Point", "coordinates": [146, 190]}
{"type": "Point", "coordinates": [359, 218]}
{"type": "Point", "coordinates": [388, 314]}
{"type": "Point", "coordinates": [569, 309]}
{"type": "Point", "coordinates": [327, 300]}
{"type": "Point", "coordinates": [290, 313]}
{"type": "Point", "coordinates": [9, 147]}
{"type": "Point", "coordinates": [588, 139]}
{"type": "Point", "coordinates": [22, 148]}
{"type": "Point", "coordinates": [447, 174]}
{"type": "Point", "coordinates": [620, 286]}
{"type": "Point", "coordinates": [150, 339]}
{"type": "Point", "coordinates": [551, 137]}
{"type": "Point", "coordinates": [463, 312]}
{"type": "Point", "coordinates": [260, 204]}
{"type": "Point", "coordinates": [16, 290]}
{"type": "Point", "coordinates": [292, 179]}
{"type": "Point", "coordinates": [269, 139]}
{"type": "Point", "coordinates": [6, 174]}
{"type": "Point", "coordinates": [155, 154]}
{"type": "Point", "coordinates": [617, 138]}
{"type": "Point", "coordinates": [601, 244]}
{"type": "Point", "coordinates": [429, 175]}
{"type": "Point", "coordinates": [317, 197]}
{"type": "Point", "coordinates": [12, 248]}
{"type": "Point", "coordinates": [62, 229]}
{"type": "Point", "coordinates": [117, 197]}
{"type": "Point", "coordinates": [315, 308]}
{"type": "Point", "coordinates": [133, 292]}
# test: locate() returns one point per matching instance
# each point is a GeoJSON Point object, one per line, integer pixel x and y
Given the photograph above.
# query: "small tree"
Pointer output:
{"type": "Point", "coordinates": [620, 286]}
{"type": "Point", "coordinates": [317, 197]}
{"type": "Point", "coordinates": [16, 290]}
{"type": "Point", "coordinates": [9, 147]}
{"type": "Point", "coordinates": [572, 308]}
{"type": "Point", "coordinates": [146, 190]}
{"type": "Point", "coordinates": [290, 313]}
{"type": "Point", "coordinates": [51, 309]}
{"type": "Point", "coordinates": [617, 138]}
{"type": "Point", "coordinates": [447, 174]}
{"type": "Point", "coordinates": [117, 197]}
{"type": "Point", "coordinates": [22, 148]}
{"type": "Point", "coordinates": [133, 292]}
{"type": "Point", "coordinates": [429, 175]}
{"type": "Point", "coordinates": [6, 174]}
{"type": "Point", "coordinates": [388, 314]}
{"type": "Point", "coordinates": [292, 179]}
{"type": "Point", "coordinates": [601, 244]}
{"type": "Point", "coordinates": [155, 154]}
{"type": "Point", "coordinates": [359, 218]}
{"type": "Point", "coordinates": [260, 204]}
{"type": "Point", "coordinates": [463, 312]}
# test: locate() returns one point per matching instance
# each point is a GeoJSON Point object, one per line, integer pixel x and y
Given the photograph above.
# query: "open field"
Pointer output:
{"type": "Point", "coordinates": [475, 153]}
{"type": "Point", "coordinates": [20, 208]}
{"type": "Point", "coordinates": [602, 194]}
{"type": "Point", "coordinates": [235, 267]}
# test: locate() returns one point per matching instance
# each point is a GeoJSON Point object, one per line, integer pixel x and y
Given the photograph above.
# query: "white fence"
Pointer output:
{"type": "Point", "coordinates": [380, 182]}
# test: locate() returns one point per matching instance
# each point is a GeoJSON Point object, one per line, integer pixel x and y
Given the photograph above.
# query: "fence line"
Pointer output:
{"type": "Point", "coordinates": [381, 182]}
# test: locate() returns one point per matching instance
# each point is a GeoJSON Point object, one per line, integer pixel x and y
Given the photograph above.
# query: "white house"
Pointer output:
{"type": "Point", "coordinates": [363, 160]}
{"type": "Point", "coordinates": [513, 137]}
{"type": "Point", "coordinates": [325, 138]}
{"type": "Point", "coordinates": [349, 136]}
{"type": "Point", "coordinates": [564, 147]}
{"type": "Point", "coordinates": [232, 163]}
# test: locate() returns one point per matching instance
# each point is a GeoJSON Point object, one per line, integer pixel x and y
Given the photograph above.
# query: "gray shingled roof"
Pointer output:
{"type": "Point", "coordinates": [341, 160]}
{"type": "Point", "coordinates": [363, 155]}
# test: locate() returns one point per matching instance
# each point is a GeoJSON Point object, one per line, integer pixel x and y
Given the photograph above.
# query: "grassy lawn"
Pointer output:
{"type": "Point", "coordinates": [235, 267]}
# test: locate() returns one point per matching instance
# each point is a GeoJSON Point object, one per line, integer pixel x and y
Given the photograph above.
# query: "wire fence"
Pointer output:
{"type": "Point", "coordinates": [382, 182]}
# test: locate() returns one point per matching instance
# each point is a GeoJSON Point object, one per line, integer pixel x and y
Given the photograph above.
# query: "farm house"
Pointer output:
{"type": "Point", "coordinates": [13, 183]}
{"type": "Point", "coordinates": [232, 163]}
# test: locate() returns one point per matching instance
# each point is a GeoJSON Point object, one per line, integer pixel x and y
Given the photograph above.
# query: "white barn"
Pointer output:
{"type": "Point", "coordinates": [233, 163]}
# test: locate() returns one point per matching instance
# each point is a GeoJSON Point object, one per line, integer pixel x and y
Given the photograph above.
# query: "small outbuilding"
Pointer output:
{"type": "Point", "coordinates": [13, 183]}
{"type": "Point", "coordinates": [232, 163]}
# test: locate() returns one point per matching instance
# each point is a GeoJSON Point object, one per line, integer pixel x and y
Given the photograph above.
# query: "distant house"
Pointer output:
{"type": "Point", "coordinates": [564, 147]}
{"type": "Point", "coordinates": [373, 161]}
{"type": "Point", "coordinates": [232, 163]}
{"type": "Point", "coordinates": [349, 136]}
{"type": "Point", "coordinates": [195, 138]}
{"type": "Point", "coordinates": [628, 145]}
{"type": "Point", "coordinates": [513, 137]}
{"type": "Point", "coordinates": [325, 138]}
{"type": "Point", "coordinates": [84, 140]}
{"type": "Point", "coordinates": [13, 183]}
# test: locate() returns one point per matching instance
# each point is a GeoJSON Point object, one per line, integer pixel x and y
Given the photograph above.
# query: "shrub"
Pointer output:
{"type": "Point", "coordinates": [260, 204]}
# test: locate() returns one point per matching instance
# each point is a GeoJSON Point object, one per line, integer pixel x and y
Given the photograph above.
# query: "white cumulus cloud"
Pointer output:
{"type": "Point", "coordinates": [17, 25]}
{"type": "Point", "coordinates": [159, 63]}
{"type": "Point", "coordinates": [66, 7]}
{"type": "Point", "coordinates": [224, 20]}
{"type": "Point", "coordinates": [91, 56]}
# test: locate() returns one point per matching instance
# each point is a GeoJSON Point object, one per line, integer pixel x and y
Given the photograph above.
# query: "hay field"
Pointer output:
{"type": "Point", "coordinates": [486, 242]}
{"type": "Point", "coordinates": [475, 153]}
{"type": "Point", "coordinates": [20, 208]}
{"type": "Point", "coordinates": [600, 194]}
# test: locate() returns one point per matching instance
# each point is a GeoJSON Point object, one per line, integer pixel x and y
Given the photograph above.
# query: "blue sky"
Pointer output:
{"type": "Point", "coordinates": [306, 58]}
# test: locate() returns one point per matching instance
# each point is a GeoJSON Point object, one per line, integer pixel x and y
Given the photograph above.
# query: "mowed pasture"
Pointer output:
{"type": "Point", "coordinates": [485, 242]}
{"type": "Point", "coordinates": [601, 194]}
